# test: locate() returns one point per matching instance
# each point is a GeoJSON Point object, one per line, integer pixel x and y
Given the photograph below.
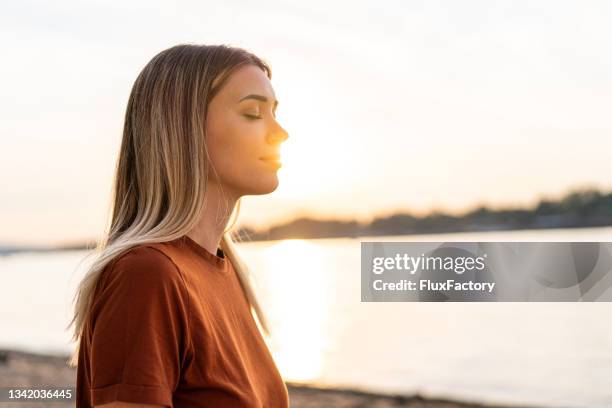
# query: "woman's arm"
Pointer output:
{"type": "Point", "coordinates": [139, 338]}
{"type": "Point", "coordinates": [118, 404]}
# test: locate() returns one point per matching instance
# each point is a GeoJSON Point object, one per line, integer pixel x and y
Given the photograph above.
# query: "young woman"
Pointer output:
{"type": "Point", "coordinates": [163, 316]}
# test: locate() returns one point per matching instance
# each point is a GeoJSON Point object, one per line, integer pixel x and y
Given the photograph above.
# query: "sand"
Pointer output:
{"type": "Point", "coordinates": [23, 369]}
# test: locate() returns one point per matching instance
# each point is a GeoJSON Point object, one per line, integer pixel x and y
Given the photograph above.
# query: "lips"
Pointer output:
{"type": "Point", "coordinates": [272, 160]}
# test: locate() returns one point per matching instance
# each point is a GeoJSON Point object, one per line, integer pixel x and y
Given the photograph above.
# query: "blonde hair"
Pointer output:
{"type": "Point", "coordinates": [161, 175]}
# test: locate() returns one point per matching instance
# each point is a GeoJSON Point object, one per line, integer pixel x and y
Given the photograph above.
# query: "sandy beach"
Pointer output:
{"type": "Point", "coordinates": [24, 369]}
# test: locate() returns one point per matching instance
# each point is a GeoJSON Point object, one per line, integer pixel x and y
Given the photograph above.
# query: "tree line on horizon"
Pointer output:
{"type": "Point", "coordinates": [580, 208]}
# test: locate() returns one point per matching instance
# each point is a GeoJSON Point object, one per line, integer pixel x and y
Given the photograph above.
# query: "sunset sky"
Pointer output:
{"type": "Point", "coordinates": [390, 105]}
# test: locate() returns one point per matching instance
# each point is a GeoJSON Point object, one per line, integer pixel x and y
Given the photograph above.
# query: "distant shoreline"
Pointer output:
{"type": "Point", "coordinates": [89, 247]}
{"type": "Point", "coordinates": [27, 369]}
{"type": "Point", "coordinates": [578, 209]}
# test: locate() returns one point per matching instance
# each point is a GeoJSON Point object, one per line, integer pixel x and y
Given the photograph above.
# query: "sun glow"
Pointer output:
{"type": "Point", "coordinates": [312, 167]}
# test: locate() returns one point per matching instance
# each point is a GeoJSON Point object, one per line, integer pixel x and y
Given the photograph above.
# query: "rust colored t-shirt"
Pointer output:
{"type": "Point", "coordinates": [171, 325]}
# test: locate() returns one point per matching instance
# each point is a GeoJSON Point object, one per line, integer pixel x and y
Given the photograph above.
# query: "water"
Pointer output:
{"type": "Point", "coordinates": [548, 354]}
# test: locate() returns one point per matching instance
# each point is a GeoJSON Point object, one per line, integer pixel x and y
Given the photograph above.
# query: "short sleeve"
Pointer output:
{"type": "Point", "coordinates": [139, 330]}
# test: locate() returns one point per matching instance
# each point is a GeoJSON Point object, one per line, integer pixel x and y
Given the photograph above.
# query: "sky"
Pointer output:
{"type": "Point", "coordinates": [390, 105]}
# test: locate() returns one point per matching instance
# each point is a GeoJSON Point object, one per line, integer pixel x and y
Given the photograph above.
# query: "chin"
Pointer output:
{"type": "Point", "coordinates": [264, 185]}
{"type": "Point", "coordinates": [271, 187]}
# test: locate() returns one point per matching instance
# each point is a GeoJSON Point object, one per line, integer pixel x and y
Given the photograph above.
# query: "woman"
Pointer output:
{"type": "Point", "coordinates": [163, 316]}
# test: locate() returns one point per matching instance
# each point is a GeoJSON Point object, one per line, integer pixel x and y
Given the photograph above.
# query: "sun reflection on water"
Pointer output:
{"type": "Point", "coordinates": [297, 299]}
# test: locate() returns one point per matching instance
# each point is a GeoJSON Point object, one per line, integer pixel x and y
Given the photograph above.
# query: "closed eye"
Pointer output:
{"type": "Point", "coordinates": [252, 117]}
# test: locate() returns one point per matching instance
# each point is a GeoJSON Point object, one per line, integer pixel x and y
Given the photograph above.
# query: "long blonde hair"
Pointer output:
{"type": "Point", "coordinates": [161, 175]}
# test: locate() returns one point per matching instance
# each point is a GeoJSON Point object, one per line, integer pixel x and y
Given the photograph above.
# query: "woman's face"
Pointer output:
{"type": "Point", "coordinates": [241, 131]}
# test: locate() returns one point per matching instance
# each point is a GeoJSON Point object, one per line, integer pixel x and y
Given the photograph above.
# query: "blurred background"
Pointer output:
{"type": "Point", "coordinates": [421, 120]}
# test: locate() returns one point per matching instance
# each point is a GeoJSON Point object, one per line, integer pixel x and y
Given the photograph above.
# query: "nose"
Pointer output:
{"type": "Point", "coordinates": [278, 134]}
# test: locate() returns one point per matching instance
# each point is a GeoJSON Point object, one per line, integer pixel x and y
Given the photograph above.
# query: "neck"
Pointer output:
{"type": "Point", "coordinates": [217, 210]}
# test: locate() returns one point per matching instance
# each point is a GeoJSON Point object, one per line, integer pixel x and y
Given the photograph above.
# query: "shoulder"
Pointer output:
{"type": "Point", "coordinates": [146, 264]}
{"type": "Point", "coordinates": [145, 255]}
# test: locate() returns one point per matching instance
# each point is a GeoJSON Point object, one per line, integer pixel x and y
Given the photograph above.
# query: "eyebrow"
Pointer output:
{"type": "Point", "coordinates": [259, 98]}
